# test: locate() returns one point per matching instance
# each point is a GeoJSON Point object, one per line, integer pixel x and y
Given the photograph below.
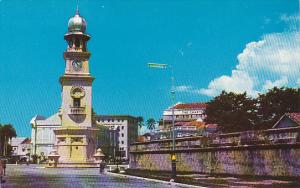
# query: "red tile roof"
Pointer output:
{"type": "Point", "coordinates": [190, 105]}
{"type": "Point", "coordinates": [181, 123]}
{"type": "Point", "coordinates": [26, 141]}
{"type": "Point", "coordinates": [294, 116]}
{"type": "Point", "coordinates": [211, 126]}
{"type": "Point", "coordinates": [197, 124]}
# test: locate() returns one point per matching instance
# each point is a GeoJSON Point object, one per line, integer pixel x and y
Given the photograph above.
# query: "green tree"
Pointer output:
{"type": "Point", "coordinates": [232, 112]}
{"type": "Point", "coordinates": [6, 132]}
{"type": "Point", "coordinates": [140, 121]}
{"type": "Point", "coordinates": [275, 103]}
{"type": "Point", "coordinates": [151, 124]}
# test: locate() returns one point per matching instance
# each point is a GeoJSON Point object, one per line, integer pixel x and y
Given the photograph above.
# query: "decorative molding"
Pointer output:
{"type": "Point", "coordinates": [81, 56]}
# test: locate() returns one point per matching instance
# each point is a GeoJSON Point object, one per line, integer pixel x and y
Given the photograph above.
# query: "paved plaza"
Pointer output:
{"type": "Point", "coordinates": [19, 176]}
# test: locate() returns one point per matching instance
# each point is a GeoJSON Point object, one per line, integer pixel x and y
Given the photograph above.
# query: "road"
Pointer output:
{"type": "Point", "coordinates": [19, 176]}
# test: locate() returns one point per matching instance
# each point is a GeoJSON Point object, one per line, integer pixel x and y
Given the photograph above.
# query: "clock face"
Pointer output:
{"type": "Point", "coordinates": [77, 65]}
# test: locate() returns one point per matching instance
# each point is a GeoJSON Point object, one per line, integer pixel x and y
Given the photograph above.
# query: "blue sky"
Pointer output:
{"type": "Point", "coordinates": [248, 45]}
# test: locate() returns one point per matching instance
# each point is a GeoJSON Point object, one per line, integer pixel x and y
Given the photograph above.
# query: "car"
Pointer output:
{"type": "Point", "coordinates": [24, 160]}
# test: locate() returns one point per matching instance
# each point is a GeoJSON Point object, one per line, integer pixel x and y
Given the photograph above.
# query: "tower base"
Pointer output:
{"type": "Point", "coordinates": [76, 147]}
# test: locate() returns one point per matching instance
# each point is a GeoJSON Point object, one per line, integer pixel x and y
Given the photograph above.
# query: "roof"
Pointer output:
{"type": "Point", "coordinates": [211, 126]}
{"type": "Point", "coordinates": [26, 141]}
{"type": "Point", "coordinates": [295, 116]}
{"type": "Point", "coordinates": [36, 118]}
{"type": "Point", "coordinates": [115, 117]}
{"type": "Point", "coordinates": [52, 120]}
{"type": "Point", "coordinates": [190, 106]}
{"type": "Point", "coordinates": [191, 123]}
{"type": "Point", "coordinates": [17, 141]}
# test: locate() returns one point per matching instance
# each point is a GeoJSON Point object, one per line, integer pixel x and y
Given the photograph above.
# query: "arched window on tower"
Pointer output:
{"type": "Point", "coordinates": [77, 43]}
{"type": "Point", "coordinates": [76, 102]}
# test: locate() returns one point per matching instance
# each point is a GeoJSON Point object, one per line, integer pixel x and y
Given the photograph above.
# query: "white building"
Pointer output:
{"type": "Point", "coordinates": [42, 134]}
{"type": "Point", "coordinates": [21, 147]}
{"type": "Point", "coordinates": [183, 112]}
{"type": "Point", "coordinates": [188, 120]}
{"type": "Point", "coordinates": [128, 129]}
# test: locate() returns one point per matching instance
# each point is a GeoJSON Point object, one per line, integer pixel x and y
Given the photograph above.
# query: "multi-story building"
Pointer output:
{"type": "Point", "coordinates": [183, 112]}
{"type": "Point", "coordinates": [188, 120]}
{"type": "Point", "coordinates": [127, 126]}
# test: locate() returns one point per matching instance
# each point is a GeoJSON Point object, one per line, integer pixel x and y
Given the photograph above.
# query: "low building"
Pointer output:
{"type": "Point", "coordinates": [128, 130]}
{"type": "Point", "coordinates": [288, 120]}
{"type": "Point", "coordinates": [21, 147]}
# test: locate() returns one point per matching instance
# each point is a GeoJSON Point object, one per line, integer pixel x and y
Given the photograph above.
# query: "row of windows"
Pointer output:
{"type": "Point", "coordinates": [111, 120]}
{"type": "Point", "coordinates": [113, 127]}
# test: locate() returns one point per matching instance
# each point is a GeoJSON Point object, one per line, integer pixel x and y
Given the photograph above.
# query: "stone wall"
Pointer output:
{"type": "Point", "coordinates": [281, 160]}
{"type": "Point", "coordinates": [268, 159]}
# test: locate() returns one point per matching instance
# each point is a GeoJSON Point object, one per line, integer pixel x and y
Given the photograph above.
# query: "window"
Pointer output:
{"type": "Point", "coordinates": [122, 127]}
{"type": "Point", "coordinates": [122, 134]}
{"type": "Point", "coordinates": [122, 142]}
{"type": "Point", "coordinates": [76, 102]}
{"type": "Point", "coordinates": [77, 43]}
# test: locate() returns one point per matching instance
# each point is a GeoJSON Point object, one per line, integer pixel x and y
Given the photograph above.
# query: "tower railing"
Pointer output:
{"type": "Point", "coordinates": [77, 110]}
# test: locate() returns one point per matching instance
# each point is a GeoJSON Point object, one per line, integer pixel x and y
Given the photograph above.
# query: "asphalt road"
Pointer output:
{"type": "Point", "coordinates": [19, 176]}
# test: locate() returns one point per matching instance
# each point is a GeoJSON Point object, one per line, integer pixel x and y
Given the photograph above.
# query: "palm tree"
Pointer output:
{"type": "Point", "coordinates": [140, 121]}
{"type": "Point", "coordinates": [7, 132]}
{"type": "Point", "coordinates": [151, 124]}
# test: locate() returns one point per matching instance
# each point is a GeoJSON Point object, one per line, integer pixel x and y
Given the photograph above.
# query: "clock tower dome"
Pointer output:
{"type": "Point", "coordinates": [75, 140]}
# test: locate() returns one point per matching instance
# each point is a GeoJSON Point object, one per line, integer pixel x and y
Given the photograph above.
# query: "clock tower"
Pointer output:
{"type": "Point", "coordinates": [75, 140]}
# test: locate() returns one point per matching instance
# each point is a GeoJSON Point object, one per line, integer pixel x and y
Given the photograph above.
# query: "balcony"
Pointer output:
{"type": "Point", "coordinates": [77, 111]}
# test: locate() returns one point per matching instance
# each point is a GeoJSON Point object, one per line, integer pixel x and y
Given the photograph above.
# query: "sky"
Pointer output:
{"type": "Point", "coordinates": [213, 45]}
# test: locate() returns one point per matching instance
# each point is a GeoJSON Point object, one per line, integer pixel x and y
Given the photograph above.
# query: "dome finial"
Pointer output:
{"type": "Point", "coordinates": [77, 10]}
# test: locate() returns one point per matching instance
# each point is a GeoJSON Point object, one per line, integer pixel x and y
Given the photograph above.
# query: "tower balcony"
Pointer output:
{"type": "Point", "coordinates": [77, 111]}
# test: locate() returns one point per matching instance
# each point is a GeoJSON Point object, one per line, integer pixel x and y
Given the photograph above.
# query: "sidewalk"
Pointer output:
{"type": "Point", "coordinates": [154, 180]}
{"type": "Point", "coordinates": [217, 181]}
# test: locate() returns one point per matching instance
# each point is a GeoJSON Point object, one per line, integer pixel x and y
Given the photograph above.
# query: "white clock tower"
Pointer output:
{"type": "Point", "coordinates": [75, 140]}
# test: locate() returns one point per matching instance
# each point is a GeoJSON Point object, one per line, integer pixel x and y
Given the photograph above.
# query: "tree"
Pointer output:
{"type": "Point", "coordinates": [275, 103]}
{"type": "Point", "coordinates": [140, 121]}
{"type": "Point", "coordinates": [6, 132]}
{"type": "Point", "coordinates": [151, 124]}
{"type": "Point", "coordinates": [232, 112]}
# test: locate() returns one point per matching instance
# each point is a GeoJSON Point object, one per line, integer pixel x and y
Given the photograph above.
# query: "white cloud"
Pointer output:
{"type": "Point", "coordinates": [238, 82]}
{"type": "Point", "coordinates": [278, 83]}
{"type": "Point", "coordinates": [272, 61]}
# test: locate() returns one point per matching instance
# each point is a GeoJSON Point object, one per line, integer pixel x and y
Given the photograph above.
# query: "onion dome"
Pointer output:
{"type": "Point", "coordinates": [77, 23]}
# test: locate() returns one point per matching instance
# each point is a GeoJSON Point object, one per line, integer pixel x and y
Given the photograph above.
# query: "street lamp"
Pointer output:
{"type": "Point", "coordinates": [173, 156]}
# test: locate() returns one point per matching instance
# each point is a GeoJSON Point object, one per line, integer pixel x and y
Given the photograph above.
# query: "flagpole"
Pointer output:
{"type": "Point", "coordinates": [173, 155]}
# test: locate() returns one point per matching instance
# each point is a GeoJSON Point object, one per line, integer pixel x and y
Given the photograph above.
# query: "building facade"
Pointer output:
{"type": "Point", "coordinates": [42, 134]}
{"type": "Point", "coordinates": [21, 148]}
{"type": "Point", "coordinates": [188, 120]}
{"type": "Point", "coordinates": [127, 127]}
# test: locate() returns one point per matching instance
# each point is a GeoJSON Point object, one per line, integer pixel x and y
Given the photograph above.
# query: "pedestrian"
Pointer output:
{"type": "Point", "coordinates": [27, 161]}
{"type": "Point", "coordinates": [4, 166]}
{"type": "Point", "coordinates": [1, 171]}
{"type": "Point", "coordinates": [102, 166]}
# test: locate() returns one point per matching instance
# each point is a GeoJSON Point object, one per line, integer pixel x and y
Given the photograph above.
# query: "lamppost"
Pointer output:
{"type": "Point", "coordinates": [173, 155]}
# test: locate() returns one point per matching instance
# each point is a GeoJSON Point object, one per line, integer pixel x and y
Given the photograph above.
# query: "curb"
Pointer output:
{"type": "Point", "coordinates": [154, 180]}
